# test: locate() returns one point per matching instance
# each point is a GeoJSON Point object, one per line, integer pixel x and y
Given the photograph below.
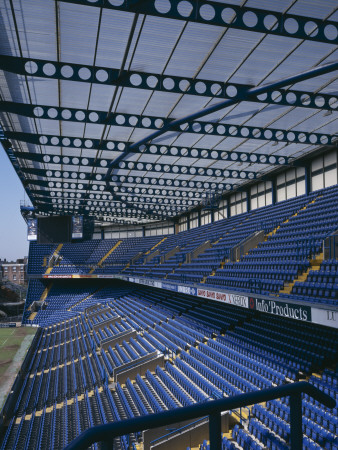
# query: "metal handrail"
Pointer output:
{"type": "Point", "coordinates": [178, 430]}
{"type": "Point", "coordinates": [107, 432]}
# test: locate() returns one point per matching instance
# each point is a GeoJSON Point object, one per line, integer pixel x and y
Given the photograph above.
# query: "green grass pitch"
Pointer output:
{"type": "Point", "coordinates": [10, 341]}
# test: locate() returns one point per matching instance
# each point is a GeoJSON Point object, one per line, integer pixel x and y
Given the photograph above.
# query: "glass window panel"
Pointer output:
{"type": "Point", "coordinates": [261, 201]}
{"type": "Point", "coordinates": [291, 191]}
{"type": "Point", "coordinates": [261, 187]}
{"type": "Point", "coordinates": [281, 194]}
{"type": "Point", "coordinates": [301, 187]}
{"type": "Point", "coordinates": [280, 179]}
{"type": "Point", "coordinates": [317, 182]}
{"type": "Point", "coordinates": [330, 158]}
{"type": "Point", "coordinates": [317, 164]}
{"type": "Point", "coordinates": [331, 177]}
{"type": "Point", "coordinates": [268, 199]}
{"type": "Point", "coordinates": [194, 223]}
{"type": "Point", "coordinates": [254, 203]}
{"type": "Point", "coordinates": [300, 172]}
{"type": "Point", "coordinates": [290, 175]}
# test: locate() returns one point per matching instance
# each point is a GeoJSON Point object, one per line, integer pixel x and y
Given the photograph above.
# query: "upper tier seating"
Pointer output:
{"type": "Point", "coordinates": [35, 290]}
{"type": "Point", "coordinates": [285, 264]}
{"type": "Point", "coordinates": [38, 257]}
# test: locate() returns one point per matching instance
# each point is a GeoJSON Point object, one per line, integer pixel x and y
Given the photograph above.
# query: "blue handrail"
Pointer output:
{"type": "Point", "coordinates": [178, 430]}
{"type": "Point", "coordinates": [107, 432]}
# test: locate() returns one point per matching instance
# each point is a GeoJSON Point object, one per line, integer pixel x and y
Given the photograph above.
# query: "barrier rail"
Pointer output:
{"type": "Point", "coordinates": [178, 431]}
{"type": "Point", "coordinates": [107, 432]}
{"type": "Point", "coordinates": [330, 246]}
{"type": "Point", "coordinates": [246, 244]}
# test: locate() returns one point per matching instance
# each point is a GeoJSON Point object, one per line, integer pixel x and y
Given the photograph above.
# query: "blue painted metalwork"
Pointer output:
{"type": "Point", "coordinates": [161, 83]}
{"type": "Point", "coordinates": [105, 433]}
{"type": "Point", "coordinates": [241, 96]}
{"type": "Point", "coordinates": [152, 122]}
{"type": "Point", "coordinates": [175, 430]}
{"type": "Point", "coordinates": [13, 159]}
{"type": "Point", "coordinates": [102, 162]}
{"type": "Point", "coordinates": [142, 182]}
{"type": "Point", "coordinates": [166, 168]}
{"type": "Point", "coordinates": [228, 15]}
{"type": "Point", "coordinates": [253, 92]}
{"type": "Point", "coordinates": [148, 149]}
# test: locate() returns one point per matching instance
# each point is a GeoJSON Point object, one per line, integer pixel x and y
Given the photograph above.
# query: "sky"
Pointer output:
{"type": "Point", "coordinates": [13, 229]}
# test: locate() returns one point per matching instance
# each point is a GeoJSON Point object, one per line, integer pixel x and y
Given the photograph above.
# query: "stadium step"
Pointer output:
{"type": "Point", "coordinates": [289, 286]}
{"type": "Point", "coordinates": [314, 266]}
{"type": "Point", "coordinates": [32, 316]}
{"type": "Point", "coordinates": [84, 299]}
{"type": "Point", "coordinates": [274, 231]}
{"type": "Point", "coordinates": [106, 256]}
{"type": "Point", "coordinates": [46, 292]}
{"type": "Point", "coordinates": [316, 262]}
{"type": "Point", "coordinates": [126, 267]}
{"type": "Point", "coordinates": [156, 245]}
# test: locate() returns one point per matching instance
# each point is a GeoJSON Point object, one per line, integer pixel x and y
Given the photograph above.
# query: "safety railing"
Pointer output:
{"type": "Point", "coordinates": [177, 431]}
{"type": "Point", "coordinates": [107, 432]}
{"type": "Point", "coordinates": [330, 246]}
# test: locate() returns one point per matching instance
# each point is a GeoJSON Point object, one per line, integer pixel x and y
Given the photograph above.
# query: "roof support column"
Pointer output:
{"type": "Point", "coordinates": [248, 200]}
{"type": "Point", "coordinates": [274, 190]}
{"type": "Point", "coordinates": [307, 168]}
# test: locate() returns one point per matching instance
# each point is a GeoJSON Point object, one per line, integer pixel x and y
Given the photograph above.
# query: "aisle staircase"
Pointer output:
{"type": "Point", "coordinates": [156, 245]}
{"type": "Point", "coordinates": [46, 292]}
{"type": "Point", "coordinates": [80, 301]}
{"type": "Point", "coordinates": [54, 255]}
{"type": "Point", "coordinates": [99, 264]}
{"type": "Point", "coordinates": [314, 266]}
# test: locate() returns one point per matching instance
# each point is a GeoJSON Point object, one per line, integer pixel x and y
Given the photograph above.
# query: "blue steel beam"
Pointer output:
{"type": "Point", "coordinates": [45, 200]}
{"type": "Point", "coordinates": [228, 15]}
{"type": "Point", "coordinates": [57, 174]}
{"type": "Point", "coordinates": [149, 167]}
{"type": "Point", "coordinates": [159, 207]}
{"type": "Point", "coordinates": [184, 121]}
{"type": "Point", "coordinates": [143, 195]}
{"type": "Point", "coordinates": [141, 182]}
{"type": "Point", "coordinates": [239, 97]}
{"type": "Point", "coordinates": [156, 123]}
{"type": "Point", "coordinates": [162, 83]}
{"type": "Point", "coordinates": [7, 146]}
{"type": "Point", "coordinates": [170, 205]}
{"type": "Point", "coordinates": [64, 202]}
{"type": "Point", "coordinates": [170, 192]}
{"type": "Point", "coordinates": [156, 150]}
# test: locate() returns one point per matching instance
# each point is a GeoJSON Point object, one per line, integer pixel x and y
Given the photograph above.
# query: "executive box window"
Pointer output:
{"type": "Point", "coordinates": [291, 184]}
{"type": "Point", "coordinates": [222, 211]}
{"type": "Point", "coordinates": [261, 195]}
{"type": "Point", "coordinates": [238, 203]}
{"type": "Point", "coordinates": [194, 220]}
{"type": "Point", "coordinates": [183, 223]}
{"type": "Point", "coordinates": [205, 217]}
{"type": "Point", "coordinates": [324, 171]}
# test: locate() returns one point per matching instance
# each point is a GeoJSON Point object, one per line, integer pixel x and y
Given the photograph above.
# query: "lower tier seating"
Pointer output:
{"type": "Point", "coordinates": [65, 384]}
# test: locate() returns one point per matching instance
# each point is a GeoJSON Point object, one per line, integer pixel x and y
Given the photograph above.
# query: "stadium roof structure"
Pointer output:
{"type": "Point", "coordinates": [137, 110]}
